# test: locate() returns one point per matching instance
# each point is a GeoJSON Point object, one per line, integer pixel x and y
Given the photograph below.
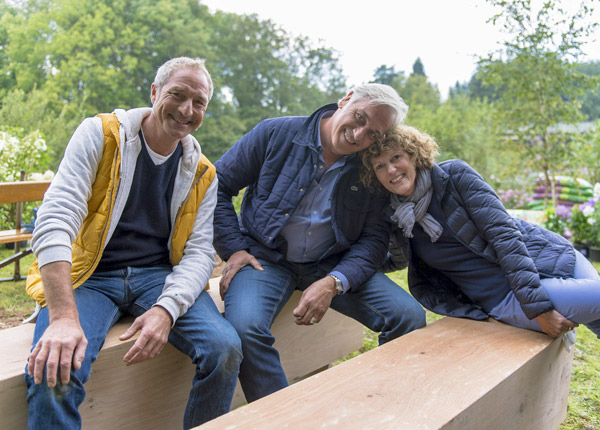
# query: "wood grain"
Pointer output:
{"type": "Point", "coordinates": [453, 374]}
{"type": "Point", "coordinates": [153, 394]}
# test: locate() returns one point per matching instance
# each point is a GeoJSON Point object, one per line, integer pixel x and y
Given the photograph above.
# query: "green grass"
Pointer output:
{"type": "Point", "coordinates": [584, 400]}
{"type": "Point", "coordinates": [14, 302]}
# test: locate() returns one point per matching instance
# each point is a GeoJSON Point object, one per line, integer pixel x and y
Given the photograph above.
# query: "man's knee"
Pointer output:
{"type": "Point", "coordinates": [416, 315]}
{"type": "Point", "coordinates": [224, 352]}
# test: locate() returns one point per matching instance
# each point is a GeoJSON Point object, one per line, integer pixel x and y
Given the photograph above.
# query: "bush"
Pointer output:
{"type": "Point", "coordinates": [19, 152]}
{"type": "Point", "coordinates": [558, 220]}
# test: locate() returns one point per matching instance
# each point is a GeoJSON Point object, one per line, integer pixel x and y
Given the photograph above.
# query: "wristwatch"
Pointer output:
{"type": "Point", "coordinates": [338, 284]}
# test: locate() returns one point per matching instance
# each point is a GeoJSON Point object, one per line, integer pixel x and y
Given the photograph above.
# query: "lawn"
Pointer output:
{"type": "Point", "coordinates": [584, 400]}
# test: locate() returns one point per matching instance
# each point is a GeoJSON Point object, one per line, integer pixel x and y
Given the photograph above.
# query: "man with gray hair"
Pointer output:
{"type": "Point", "coordinates": [307, 223]}
{"type": "Point", "coordinates": [126, 228]}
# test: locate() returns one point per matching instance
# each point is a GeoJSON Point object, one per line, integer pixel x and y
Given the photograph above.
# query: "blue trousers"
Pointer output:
{"type": "Point", "coordinates": [577, 299]}
{"type": "Point", "coordinates": [255, 298]}
{"type": "Point", "coordinates": [201, 333]}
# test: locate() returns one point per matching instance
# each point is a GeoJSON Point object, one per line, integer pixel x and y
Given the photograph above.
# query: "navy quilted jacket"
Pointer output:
{"type": "Point", "coordinates": [276, 162]}
{"type": "Point", "coordinates": [476, 217]}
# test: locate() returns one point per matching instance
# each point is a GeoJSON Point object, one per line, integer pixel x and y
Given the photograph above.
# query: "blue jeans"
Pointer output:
{"type": "Point", "coordinates": [577, 299]}
{"type": "Point", "coordinates": [255, 298]}
{"type": "Point", "coordinates": [201, 333]}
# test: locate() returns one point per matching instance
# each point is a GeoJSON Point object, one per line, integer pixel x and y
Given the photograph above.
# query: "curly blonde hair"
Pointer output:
{"type": "Point", "coordinates": [420, 147]}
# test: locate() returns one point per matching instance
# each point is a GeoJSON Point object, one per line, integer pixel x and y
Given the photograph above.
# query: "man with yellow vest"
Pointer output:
{"type": "Point", "coordinates": [126, 227]}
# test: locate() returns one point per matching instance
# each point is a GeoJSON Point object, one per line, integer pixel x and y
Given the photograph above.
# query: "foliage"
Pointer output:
{"type": "Point", "coordinates": [21, 152]}
{"type": "Point", "coordinates": [514, 198]}
{"type": "Point", "coordinates": [389, 76]}
{"type": "Point", "coordinates": [590, 106]}
{"type": "Point", "coordinates": [540, 84]}
{"type": "Point", "coordinates": [418, 68]}
{"type": "Point", "coordinates": [64, 60]}
{"type": "Point", "coordinates": [463, 130]}
{"type": "Point", "coordinates": [263, 72]}
{"type": "Point", "coordinates": [558, 220]}
{"type": "Point", "coordinates": [416, 90]}
{"type": "Point", "coordinates": [420, 94]}
{"type": "Point", "coordinates": [583, 410]}
{"type": "Point", "coordinates": [585, 144]}
{"type": "Point", "coordinates": [476, 89]}
{"type": "Point", "coordinates": [585, 223]}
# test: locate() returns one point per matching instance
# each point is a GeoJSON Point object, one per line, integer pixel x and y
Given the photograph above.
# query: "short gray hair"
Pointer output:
{"type": "Point", "coordinates": [164, 72]}
{"type": "Point", "coordinates": [380, 94]}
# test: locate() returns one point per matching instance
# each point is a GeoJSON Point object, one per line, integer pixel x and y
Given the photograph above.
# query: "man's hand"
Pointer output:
{"type": "Point", "coordinates": [62, 344]}
{"type": "Point", "coordinates": [315, 301]}
{"type": "Point", "coordinates": [154, 326]}
{"type": "Point", "coordinates": [554, 324]}
{"type": "Point", "coordinates": [237, 260]}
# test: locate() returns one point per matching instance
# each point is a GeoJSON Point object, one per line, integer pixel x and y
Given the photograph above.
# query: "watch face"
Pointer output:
{"type": "Point", "coordinates": [339, 286]}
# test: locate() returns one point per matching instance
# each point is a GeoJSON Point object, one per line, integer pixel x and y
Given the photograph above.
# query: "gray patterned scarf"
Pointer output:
{"type": "Point", "coordinates": [413, 208]}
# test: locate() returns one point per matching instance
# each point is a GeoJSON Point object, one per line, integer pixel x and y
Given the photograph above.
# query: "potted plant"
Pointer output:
{"type": "Point", "coordinates": [558, 220]}
{"type": "Point", "coordinates": [585, 228]}
{"type": "Point", "coordinates": [594, 221]}
{"type": "Point", "coordinates": [581, 228]}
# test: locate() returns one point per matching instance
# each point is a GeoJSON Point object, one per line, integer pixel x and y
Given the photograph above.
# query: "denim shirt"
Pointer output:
{"type": "Point", "coordinates": [308, 232]}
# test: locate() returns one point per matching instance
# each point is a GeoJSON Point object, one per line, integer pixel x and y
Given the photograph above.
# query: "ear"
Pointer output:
{"type": "Point", "coordinates": [153, 93]}
{"type": "Point", "coordinates": [345, 100]}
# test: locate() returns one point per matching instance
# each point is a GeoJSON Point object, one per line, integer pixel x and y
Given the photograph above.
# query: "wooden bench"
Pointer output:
{"type": "Point", "coordinates": [153, 394]}
{"type": "Point", "coordinates": [19, 192]}
{"type": "Point", "coordinates": [454, 374]}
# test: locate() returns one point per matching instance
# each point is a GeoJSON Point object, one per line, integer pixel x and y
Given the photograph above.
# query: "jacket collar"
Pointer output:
{"type": "Point", "coordinates": [308, 135]}
{"type": "Point", "coordinates": [439, 180]}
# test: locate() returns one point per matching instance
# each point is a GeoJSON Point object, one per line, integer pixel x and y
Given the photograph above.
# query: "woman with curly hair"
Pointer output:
{"type": "Point", "coordinates": [466, 256]}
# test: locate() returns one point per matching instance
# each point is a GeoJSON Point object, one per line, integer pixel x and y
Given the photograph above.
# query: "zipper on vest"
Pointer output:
{"type": "Point", "coordinates": [181, 206]}
{"type": "Point", "coordinates": [108, 218]}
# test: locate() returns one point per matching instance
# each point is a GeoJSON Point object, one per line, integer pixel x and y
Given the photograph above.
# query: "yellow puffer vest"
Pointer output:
{"type": "Point", "coordinates": [89, 243]}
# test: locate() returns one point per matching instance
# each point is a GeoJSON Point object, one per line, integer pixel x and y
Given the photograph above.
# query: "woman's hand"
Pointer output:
{"type": "Point", "coordinates": [554, 324]}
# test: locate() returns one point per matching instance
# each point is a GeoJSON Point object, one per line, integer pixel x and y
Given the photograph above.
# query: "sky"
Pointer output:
{"type": "Point", "coordinates": [448, 35]}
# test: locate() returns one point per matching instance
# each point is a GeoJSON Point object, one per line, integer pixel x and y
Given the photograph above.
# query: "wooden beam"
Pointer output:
{"type": "Point", "coordinates": [26, 191]}
{"type": "Point", "coordinates": [454, 374]}
{"type": "Point", "coordinates": [10, 236]}
{"type": "Point", "coordinates": [153, 394]}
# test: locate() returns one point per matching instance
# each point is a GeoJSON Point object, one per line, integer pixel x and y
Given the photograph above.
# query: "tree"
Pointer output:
{"type": "Point", "coordinates": [419, 93]}
{"type": "Point", "coordinates": [388, 75]}
{"type": "Point", "coordinates": [591, 100]}
{"type": "Point", "coordinates": [418, 68]}
{"type": "Point", "coordinates": [462, 127]}
{"type": "Point", "coordinates": [263, 72]}
{"type": "Point", "coordinates": [540, 86]}
{"type": "Point", "coordinates": [81, 57]}
{"type": "Point", "coordinates": [416, 90]}
{"type": "Point", "coordinates": [63, 60]}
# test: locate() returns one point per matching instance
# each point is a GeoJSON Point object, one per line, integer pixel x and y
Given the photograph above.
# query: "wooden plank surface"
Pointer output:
{"type": "Point", "coordinates": [452, 374]}
{"type": "Point", "coordinates": [153, 394]}
{"type": "Point", "coordinates": [26, 191]}
{"type": "Point", "coordinates": [10, 236]}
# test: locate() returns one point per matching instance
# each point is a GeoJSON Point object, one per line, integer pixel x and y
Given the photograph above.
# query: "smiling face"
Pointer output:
{"type": "Point", "coordinates": [357, 124]}
{"type": "Point", "coordinates": [179, 106]}
{"type": "Point", "coordinates": [395, 171]}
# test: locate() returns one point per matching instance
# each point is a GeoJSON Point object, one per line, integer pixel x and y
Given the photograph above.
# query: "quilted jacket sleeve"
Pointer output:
{"type": "Point", "coordinates": [236, 169]}
{"type": "Point", "coordinates": [484, 223]}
